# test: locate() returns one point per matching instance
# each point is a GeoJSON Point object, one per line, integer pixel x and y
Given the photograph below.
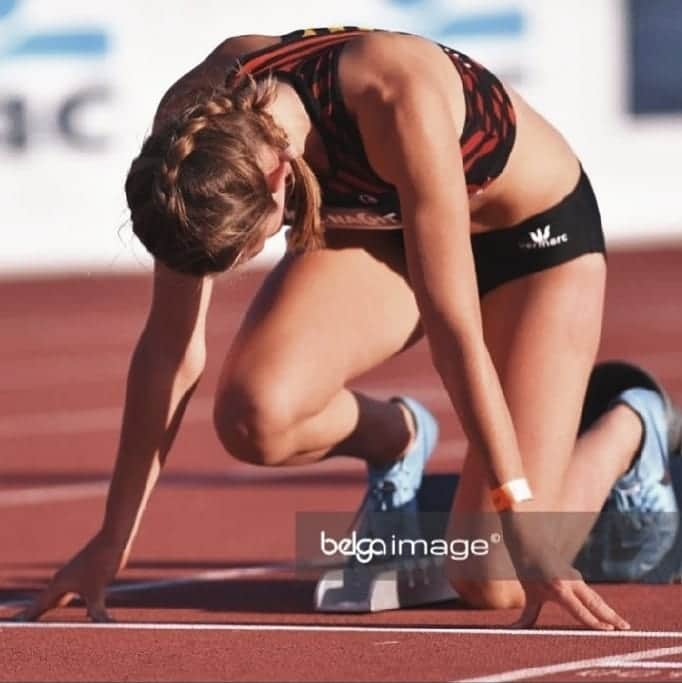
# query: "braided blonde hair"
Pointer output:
{"type": "Point", "coordinates": [197, 196]}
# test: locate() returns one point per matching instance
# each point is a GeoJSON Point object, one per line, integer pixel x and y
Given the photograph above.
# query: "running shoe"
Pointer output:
{"type": "Point", "coordinates": [389, 509]}
{"type": "Point", "coordinates": [638, 525]}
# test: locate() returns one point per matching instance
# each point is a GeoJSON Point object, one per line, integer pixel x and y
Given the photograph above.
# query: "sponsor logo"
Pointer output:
{"type": "Point", "coordinates": [502, 23]}
{"type": "Point", "coordinates": [542, 239]}
{"type": "Point", "coordinates": [349, 218]}
{"type": "Point", "coordinates": [59, 111]}
{"type": "Point", "coordinates": [445, 20]}
{"type": "Point", "coordinates": [16, 41]}
{"type": "Point", "coordinates": [367, 199]}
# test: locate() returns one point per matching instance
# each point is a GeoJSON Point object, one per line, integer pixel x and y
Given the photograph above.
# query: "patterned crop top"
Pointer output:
{"type": "Point", "coordinates": [352, 193]}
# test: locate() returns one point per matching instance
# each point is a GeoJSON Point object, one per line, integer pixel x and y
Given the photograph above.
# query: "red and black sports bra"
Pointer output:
{"type": "Point", "coordinates": [308, 60]}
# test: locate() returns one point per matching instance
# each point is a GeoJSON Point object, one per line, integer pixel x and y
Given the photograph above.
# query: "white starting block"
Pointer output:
{"type": "Point", "coordinates": [397, 584]}
{"type": "Point", "coordinates": [375, 589]}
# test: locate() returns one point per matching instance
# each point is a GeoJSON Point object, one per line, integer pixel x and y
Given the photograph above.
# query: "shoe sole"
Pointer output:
{"type": "Point", "coordinates": [611, 378]}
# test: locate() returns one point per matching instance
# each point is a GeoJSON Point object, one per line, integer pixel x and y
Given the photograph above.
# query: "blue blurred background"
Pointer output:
{"type": "Point", "coordinates": [79, 83]}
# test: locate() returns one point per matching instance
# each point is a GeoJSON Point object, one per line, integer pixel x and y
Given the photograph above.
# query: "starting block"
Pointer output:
{"type": "Point", "coordinates": [397, 584]}
{"type": "Point", "coordinates": [374, 588]}
{"type": "Point", "coordinates": [361, 589]}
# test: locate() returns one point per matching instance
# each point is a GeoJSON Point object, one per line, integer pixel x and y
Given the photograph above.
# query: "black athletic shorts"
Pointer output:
{"type": "Point", "coordinates": [569, 229]}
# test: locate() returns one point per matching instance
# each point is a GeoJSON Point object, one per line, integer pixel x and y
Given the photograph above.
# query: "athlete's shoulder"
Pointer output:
{"type": "Point", "coordinates": [238, 46]}
{"type": "Point", "coordinates": [390, 47]}
{"type": "Point", "coordinates": [388, 61]}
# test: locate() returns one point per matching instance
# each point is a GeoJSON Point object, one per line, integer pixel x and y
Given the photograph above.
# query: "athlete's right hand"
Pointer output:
{"type": "Point", "coordinates": [86, 575]}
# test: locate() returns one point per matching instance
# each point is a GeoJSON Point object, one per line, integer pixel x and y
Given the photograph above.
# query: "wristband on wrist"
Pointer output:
{"type": "Point", "coordinates": [514, 491]}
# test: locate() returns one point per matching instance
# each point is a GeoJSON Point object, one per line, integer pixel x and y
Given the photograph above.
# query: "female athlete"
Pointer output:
{"type": "Point", "coordinates": [423, 197]}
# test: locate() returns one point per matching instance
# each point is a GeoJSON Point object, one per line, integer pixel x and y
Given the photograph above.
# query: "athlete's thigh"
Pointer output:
{"type": "Point", "coordinates": [543, 333]}
{"type": "Point", "coordinates": [324, 317]}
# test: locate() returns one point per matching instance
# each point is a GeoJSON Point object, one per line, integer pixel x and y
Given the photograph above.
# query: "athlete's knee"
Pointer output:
{"type": "Point", "coordinates": [489, 594]}
{"type": "Point", "coordinates": [254, 422]}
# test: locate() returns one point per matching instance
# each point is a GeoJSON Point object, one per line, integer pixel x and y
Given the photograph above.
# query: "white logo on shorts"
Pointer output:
{"type": "Point", "coordinates": [542, 238]}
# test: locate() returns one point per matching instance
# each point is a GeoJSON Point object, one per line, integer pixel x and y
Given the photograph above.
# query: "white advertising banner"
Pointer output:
{"type": "Point", "coordinates": [79, 82]}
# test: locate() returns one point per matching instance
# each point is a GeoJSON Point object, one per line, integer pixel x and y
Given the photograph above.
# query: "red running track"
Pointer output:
{"type": "Point", "coordinates": [208, 594]}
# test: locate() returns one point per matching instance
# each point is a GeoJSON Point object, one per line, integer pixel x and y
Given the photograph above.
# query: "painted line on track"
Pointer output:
{"type": "Point", "coordinates": [53, 494]}
{"type": "Point", "coordinates": [94, 420]}
{"type": "Point", "coordinates": [95, 489]}
{"type": "Point", "coordinates": [85, 421]}
{"type": "Point", "coordinates": [314, 628]}
{"type": "Point", "coordinates": [208, 576]}
{"type": "Point", "coordinates": [647, 665]}
{"type": "Point", "coordinates": [566, 667]}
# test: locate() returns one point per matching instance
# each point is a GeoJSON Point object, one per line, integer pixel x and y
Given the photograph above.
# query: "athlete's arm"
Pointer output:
{"type": "Point", "coordinates": [407, 112]}
{"type": "Point", "coordinates": [402, 98]}
{"type": "Point", "coordinates": [170, 355]}
{"type": "Point", "coordinates": [166, 366]}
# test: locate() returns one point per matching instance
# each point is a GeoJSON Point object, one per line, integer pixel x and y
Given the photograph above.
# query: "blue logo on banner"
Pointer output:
{"type": "Point", "coordinates": [444, 21]}
{"type": "Point", "coordinates": [75, 42]}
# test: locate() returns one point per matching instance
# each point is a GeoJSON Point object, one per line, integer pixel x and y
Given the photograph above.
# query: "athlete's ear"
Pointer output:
{"type": "Point", "coordinates": [277, 177]}
{"type": "Point", "coordinates": [288, 154]}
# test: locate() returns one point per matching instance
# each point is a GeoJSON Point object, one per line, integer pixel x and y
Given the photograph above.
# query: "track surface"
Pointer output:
{"type": "Point", "coordinates": [209, 594]}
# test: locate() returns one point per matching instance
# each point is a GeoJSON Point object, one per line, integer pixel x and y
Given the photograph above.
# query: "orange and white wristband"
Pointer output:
{"type": "Point", "coordinates": [514, 491]}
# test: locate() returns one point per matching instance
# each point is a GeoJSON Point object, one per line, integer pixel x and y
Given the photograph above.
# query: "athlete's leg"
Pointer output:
{"type": "Point", "coordinates": [632, 537]}
{"type": "Point", "coordinates": [601, 455]}
{"type": "Point", "coordinates": [320, 320]}
{"type": "Point", "coordinates": [542, 332]}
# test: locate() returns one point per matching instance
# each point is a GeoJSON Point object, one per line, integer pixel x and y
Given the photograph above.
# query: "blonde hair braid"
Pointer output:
{"type": "Point", "coordinates": [198, 197]}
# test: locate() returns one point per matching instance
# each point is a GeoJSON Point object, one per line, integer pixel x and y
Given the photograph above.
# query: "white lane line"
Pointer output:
{"type": "Point", "coordinates": [65, 493]}
{"type": "Point", "coordinates": [645, 665]}
{"type": "Point", "coordinates": [565, 667]}
{"type": "Point", "coordinates": [319, 628]}
{"type": "Point", "coordinates": [84, 421]}
{"type": "Point", "coordinates": [60, 422]}
{"type": "Point", "coordinates": [208, 576]}
{"type": "Point", "coordinates": [97, 420]}
{"type": "Point", "coordinates": [200, 410]}
{"type": "Point", "coordinates": [670, 362]}
{"type": "Point", "coordinates": [72, 492]}
{"type": "Point", "coordinates": [60, 369]}
{"type": "Point", "coordinates": [53, 494]}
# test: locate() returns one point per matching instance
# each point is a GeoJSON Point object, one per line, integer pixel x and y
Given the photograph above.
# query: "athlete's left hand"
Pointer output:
{"type": "Point", "coordinates": [575, 596]}
{"type": "Point", "coordinates": [547, 577]}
